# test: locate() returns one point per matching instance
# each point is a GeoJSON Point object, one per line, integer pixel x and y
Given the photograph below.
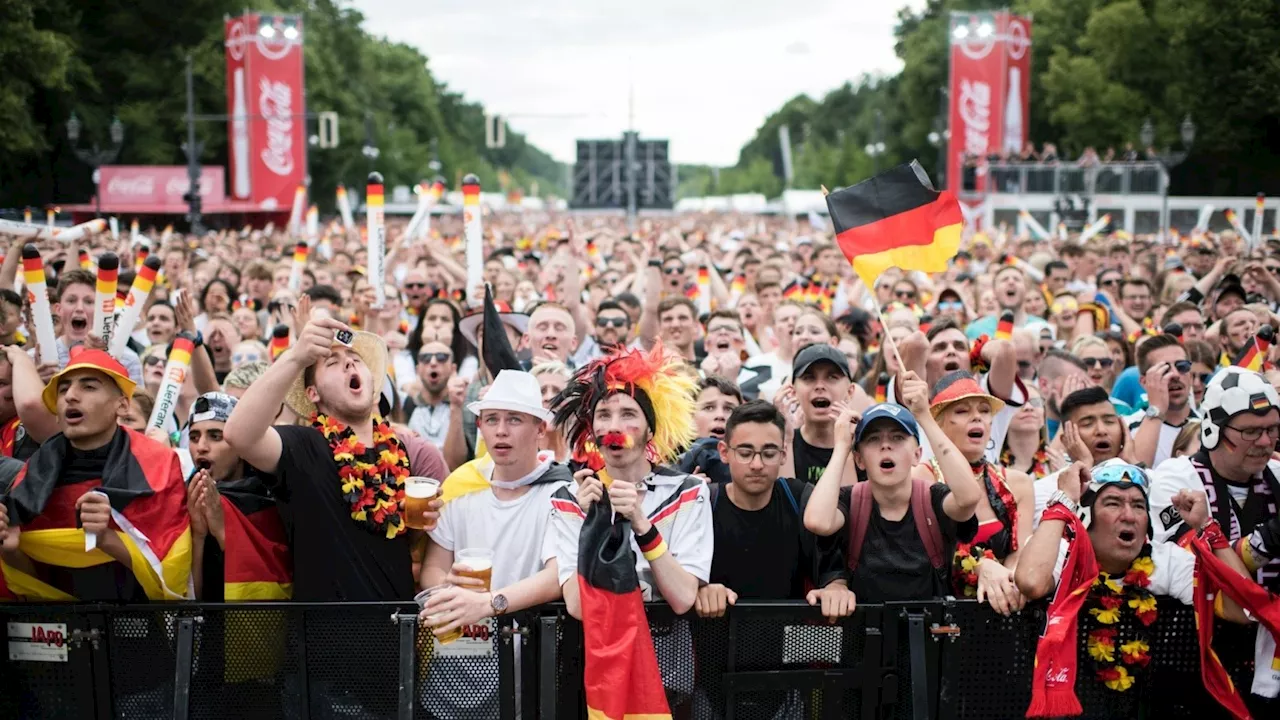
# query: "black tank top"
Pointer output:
{"type": "Point", "coordinates": [810, 460]}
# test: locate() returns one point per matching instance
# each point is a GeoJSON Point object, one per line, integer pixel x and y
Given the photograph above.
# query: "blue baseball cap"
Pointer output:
{"type": "Point", "coordinates": [887, 411]}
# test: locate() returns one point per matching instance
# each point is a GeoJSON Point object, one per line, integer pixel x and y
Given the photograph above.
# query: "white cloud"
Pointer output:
{"type": "Point", "coordinates": [706, 73]}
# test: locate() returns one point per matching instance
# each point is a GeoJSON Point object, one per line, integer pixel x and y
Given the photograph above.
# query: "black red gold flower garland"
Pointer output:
{"type": "Point", "coordinates": [372, 478]}
{"type": "Point", "coordinates": [1115, 658]}
{"type": "Point", "coordinates": [1039, 461]}
{"type": "Point", "coordinates": [964, 567]}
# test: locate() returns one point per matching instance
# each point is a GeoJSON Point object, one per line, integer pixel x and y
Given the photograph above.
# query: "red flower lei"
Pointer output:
{"type": "Point", "coordinates": [1039, 461]}
{"type": "Point", "coordinates": [372, 478]}
{"type": "Point", "coordinates": [1115, 658]}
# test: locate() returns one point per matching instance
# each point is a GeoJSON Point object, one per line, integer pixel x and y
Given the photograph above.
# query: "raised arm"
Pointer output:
{"type": "Point", "coordinates": [822, 514]}
{"type": "Point", "coordinates": [249, 429]}
{"type": "Point", "coordinates": [1002, 358]}
{"type": "Point", "coordinates": [27, 390]}
{"type": "Point", "coordinates": [651, 278]}
{"type": "Point", "coordinates": [9, 270]}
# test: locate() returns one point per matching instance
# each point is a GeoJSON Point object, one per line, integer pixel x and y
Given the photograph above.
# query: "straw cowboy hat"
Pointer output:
{"type": "Point", "coordinates": [371, 349]}
{"type": "Point", "coordinates": [472, 321]}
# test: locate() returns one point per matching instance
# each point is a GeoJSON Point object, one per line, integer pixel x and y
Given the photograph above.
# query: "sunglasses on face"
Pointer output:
{"type": "Point", "coordinates": [415, 286]}
{"type": "Point", "coordinates": [904, 294]}
{"type": "Point", "coordinates": [1182, 366]}
{"type": "Point", "coordinates": [1273, 269]}
{"type": "Point", "coordinates": [244, 358]}
{"type": "Point", "coordinates": [673, 270]}
{"type": "Point", "coordinates": [1036, 402]}
{"type": "Point", "coordinates": [950, 305]}
{"type": "Point", "coordinates": [154, 360]}
{"type": "Point", "coordinates": [1205, 378]}
{"type": "Point", "coordinates": [1104, 363]}
{"type": "Point", "coordinates": [442, 357]}
{"type": "Point", "coordinates": [732, 329]}
{"type": "Point", "coordinates": [611, 322]}
{"type": "Point", "coordinates": [1110, 283]}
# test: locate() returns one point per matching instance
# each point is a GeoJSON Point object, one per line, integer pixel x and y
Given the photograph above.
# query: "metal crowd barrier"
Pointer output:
{"type": "Point", "coordinates": [939, 660]}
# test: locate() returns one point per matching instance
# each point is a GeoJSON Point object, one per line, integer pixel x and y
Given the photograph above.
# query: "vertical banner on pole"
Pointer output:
{"type": "Point", "coordinates": [104, 311]}
{"type": "Point", "coordinates": [473, 228]}
{"type": "Point", "coordinates": [990, 88]}
{"type": "Point", "coordinates": [38, 298]}
{"type": "Point", "coordinates": [377, 240]}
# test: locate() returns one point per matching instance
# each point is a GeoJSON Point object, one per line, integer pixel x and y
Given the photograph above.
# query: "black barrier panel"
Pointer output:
{"type": "Point", "coordinates": [38, 679]}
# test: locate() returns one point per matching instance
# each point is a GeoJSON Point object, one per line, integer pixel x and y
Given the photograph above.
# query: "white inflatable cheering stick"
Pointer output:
{"type": "Point", "coordinates": [138, 294]}
{"type": "Point", "coordinates": [104, 311]}
{"type": "Point", "coordinates": [377, 240]}
{"type": "Point", "coordinates": [38, 296]}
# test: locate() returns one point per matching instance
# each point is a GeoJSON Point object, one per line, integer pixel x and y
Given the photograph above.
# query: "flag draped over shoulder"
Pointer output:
{"type": "Point", "coordinates": [621, 676]}
{"type": "Point", "coordinates": [896, 219]}
{"type": "Point", "coordinates": [257, 565]}
{"type": "Point", "coordinates": [143, 481]}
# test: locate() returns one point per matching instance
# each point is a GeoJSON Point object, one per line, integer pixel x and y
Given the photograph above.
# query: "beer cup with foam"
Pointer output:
{"type": "Point", "coordinates": [435, 621]}
{"type": "Point", "coordinates": [475, 563]}
{"type": "Point", "coordinates": [418, 494]}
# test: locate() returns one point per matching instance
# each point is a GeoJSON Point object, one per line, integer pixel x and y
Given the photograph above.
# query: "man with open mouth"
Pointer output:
{"type": "Point", "coordinates": [820, 383]}
{"type": "Point", "coordinates": [73, 305]}
{"type": "Point", "coordinates": [1237, 469]}
{"type": "Point", "coordinates": [1096, 536]}
{"type": "Point", "coordinates": [1010, 289]}
{"type": "Point", "coordinates": [1165, 373]}
{"type": "Point", "coordinates": [1092, 433]}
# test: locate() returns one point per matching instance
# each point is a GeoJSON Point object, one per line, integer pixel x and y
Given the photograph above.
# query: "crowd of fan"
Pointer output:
{"type": "Point", "coordinates": [832, 453]}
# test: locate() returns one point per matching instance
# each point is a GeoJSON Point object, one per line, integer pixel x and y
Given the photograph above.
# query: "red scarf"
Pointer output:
{"type": "Point", "coordinates": [1214, 576]}
{"type": "Point", "coordinates": [1053, 682]}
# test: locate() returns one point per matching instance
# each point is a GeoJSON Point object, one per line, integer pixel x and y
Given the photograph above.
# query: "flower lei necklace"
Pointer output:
{"type": "Point", "coordinates": [1039, 461]}
{"type": "Point", "coordinates": [372, 478]}
{"type": "Point", "coordinates": [969, 555]}
{"type": "Point", "coordinates": [1114, 657]}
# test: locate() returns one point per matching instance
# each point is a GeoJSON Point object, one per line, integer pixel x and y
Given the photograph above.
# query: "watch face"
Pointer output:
{"type": "Point", "coordinates": [500, 603]}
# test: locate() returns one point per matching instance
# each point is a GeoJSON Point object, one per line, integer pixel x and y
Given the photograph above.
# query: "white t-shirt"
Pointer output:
{"type": "Point", "coordinates": [1168, 433]}
{"type": "Point", "coordinates": [678, 505]}
{"type": "Point", "coordinates": [1174, 575]}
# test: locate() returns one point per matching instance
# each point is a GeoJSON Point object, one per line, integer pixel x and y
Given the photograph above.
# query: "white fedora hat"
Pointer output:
{"type": "Point", "coordinates": [516, 391]}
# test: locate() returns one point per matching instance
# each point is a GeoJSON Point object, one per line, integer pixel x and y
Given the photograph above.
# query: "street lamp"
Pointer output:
{"type": "Point", "coordinates": [1168, 160]}
{"type": "Point", "coordinates": [876, 147]}
{"type": "Point", "coordinates": [369, 150]}
{"type": "Point", "coordinates": [98, 156]}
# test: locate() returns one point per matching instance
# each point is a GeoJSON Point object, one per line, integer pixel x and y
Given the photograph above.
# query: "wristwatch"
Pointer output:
{"type": "Point", "coordinates": [498, 603]}
{"type": "Point", "coordinates": [1153, 412]}
{"type": "Point", "coordinates": [1061, 498]}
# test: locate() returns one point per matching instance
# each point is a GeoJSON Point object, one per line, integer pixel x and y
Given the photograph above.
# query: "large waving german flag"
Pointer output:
{"type": "Point", "coordinates": [621, 676]}
{"type": "Point", "coordinates": [143, 481]}
{"type": "Point", "coordinates": [258, 565]}
{"type": "Point", "coordinates": [896, 219]}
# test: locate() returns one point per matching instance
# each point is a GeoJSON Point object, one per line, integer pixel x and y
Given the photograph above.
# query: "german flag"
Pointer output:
{"type": "Point", "coordinates": [1004, 328]}
{"type": "Point", "coordinates": [882, 387]}
{"type": "Point", "coordinates": [1255, 354]}
{"type": "Point", "coordinates": [85, 262]}
{"type": "Point", "coordinates": [620, 677]}
{"type": "Point", "coordinates": [143, 481]}
{"type": "Point", "coordinates": [257, 565]}
{"type": "Point", "coordinates": [738, 285]}
{"type": "Point", "coordinates": [896, 219]}
{"type": "Point", "coordinates": [794, 291]}
{"type": "Point", "coordinates": [279, 341]}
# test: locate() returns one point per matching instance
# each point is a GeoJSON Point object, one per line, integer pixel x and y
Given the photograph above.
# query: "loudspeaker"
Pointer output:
{"type": "Point", "coordinates": [606, 170]}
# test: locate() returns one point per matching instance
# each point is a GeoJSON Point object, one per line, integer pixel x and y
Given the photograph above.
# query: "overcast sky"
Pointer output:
{"type": "Point", "coordinates": [706, 73]}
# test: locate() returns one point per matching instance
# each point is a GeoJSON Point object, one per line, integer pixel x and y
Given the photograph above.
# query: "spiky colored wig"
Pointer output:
{"type": "Point", "coordinates": [657, 382]}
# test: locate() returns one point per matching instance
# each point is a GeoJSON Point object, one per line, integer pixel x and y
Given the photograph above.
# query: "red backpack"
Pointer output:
{"type": "Point", "coordinates": [860, 502]}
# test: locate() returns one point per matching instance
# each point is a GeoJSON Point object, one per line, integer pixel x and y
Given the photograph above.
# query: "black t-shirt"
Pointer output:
{"type": "Point", "coordinates": [334, 559]}
{"type": "Point", "coordinates": [810, 460]}
{"type": "Point", "coordinates": [761, 554]}
{"type": "Point", "coordinates": [213, 577]}
{"type": "Point", "coordinates": [894, 564]}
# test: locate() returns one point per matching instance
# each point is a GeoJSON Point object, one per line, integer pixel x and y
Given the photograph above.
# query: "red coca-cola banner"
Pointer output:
{"type": "Point", "coordinates": [267, 129]}
{"type": "Point", "coordinates": [161, 186]}
{"type": "Point", "coordinates": [990, 90]}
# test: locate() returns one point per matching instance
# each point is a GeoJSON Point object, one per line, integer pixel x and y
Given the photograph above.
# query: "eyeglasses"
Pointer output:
{"type": "Point", "coordinates": [605, 322]}
{"type": "Point", "coordinates": [1182, 366]}
{"type": "Point", "coordinates": [746, 453]}
{"type": "Point", "coordinates": [154, 360]}
{"type": "Point", "coordinates": [673, 270]}
{"type": "Point", "coordinates": [427, 357]}
{"type": "Point", "coordinates": [1252, 434]}
{"type": "Point", "coordinates": [1103, 363]}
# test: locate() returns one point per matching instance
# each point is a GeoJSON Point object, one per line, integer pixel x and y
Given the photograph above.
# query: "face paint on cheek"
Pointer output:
{"type": "Point", "coordinates": [1228, 444]}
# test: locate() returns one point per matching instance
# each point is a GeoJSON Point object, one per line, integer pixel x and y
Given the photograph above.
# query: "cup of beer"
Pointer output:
{"type": "Point", "coordinates": [435, 621]}
{"type": "Point", "coordinates": [475, 563]}
{"type": "Point", "coordinates": [418, 493]}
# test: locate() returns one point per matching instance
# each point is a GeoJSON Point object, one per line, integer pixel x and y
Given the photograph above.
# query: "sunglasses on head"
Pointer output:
{"type": "Point", "coordinates": [605, 322]}
{"type": "Point", "coordinates": [1103, 363]}
{"type": "Point", "coordinates": [427, 357]}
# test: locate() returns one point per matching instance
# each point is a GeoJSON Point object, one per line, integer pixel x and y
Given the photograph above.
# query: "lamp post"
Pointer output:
{"type": "Point", "coordinates": [1168, 160]}
{"type": "Point", "coordinates": [98, 156]}
{"type": "Point", "coordinates": [876, 147]}
{"type": "Point", "coordinates": [369, 150]}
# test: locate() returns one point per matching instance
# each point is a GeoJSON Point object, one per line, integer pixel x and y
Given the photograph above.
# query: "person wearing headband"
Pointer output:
{"type": "Point", "coordinates": [506, 516]}
{"type": "Point", "coordinates": [1096, 536]}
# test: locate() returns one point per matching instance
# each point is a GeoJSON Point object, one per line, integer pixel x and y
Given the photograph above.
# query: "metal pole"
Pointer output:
{"type": "Point", "coordinates": [193, 156]}
{"type": "Point", "coordinates": [1164, 205]}
{"type": "Point", "coordinates": [630, 154]}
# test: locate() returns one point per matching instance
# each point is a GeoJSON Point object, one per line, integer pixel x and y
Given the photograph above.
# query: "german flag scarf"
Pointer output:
{"type": "Point", "coordinates": [621, 676]}
{"type": "Point", "coordinates": [1053, 682]}
{"type": "Point", "coordinates": [257, 563]}
{"type": "Point", "coordinates": [143, 481]}
{"type": "Point", "coordinates": [1212, 578]}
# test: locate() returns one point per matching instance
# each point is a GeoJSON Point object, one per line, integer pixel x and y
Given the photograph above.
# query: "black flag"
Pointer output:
{"type": "Point", "coordinates": [495, 348]}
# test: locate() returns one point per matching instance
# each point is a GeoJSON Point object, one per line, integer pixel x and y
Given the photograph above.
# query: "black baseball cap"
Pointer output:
{"type": "Point", "coordinates": [819, 352]}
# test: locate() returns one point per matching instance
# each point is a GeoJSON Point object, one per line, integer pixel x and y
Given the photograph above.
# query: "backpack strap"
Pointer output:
{"type": "Point", "coordinates": [859, 518]}
{"type": "Point", "coordinates": [927, 521]}
{"type": "Point", "coordinates": [791, 498]}
{"type": "Point", "coordinates": [714, 490]}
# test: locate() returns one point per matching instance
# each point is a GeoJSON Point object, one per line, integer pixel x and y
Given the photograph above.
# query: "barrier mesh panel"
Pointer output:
{"type": "Point", "coordinates": [245, 665]}
{"type": "Point", "coordinates": [142, 646]}
{"type": "Point", "coordinates": [39, 689]}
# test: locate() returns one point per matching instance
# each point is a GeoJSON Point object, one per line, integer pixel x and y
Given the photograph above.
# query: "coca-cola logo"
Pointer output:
{"type": "Point", "coordinates": [977, 39]}
{"type": "Point", "coordinates": [1055, 677]}
{"type": "Point", "coordinates": [975, 113]}
{"type": "Point", "coordinates": [132, 185]}
{"type": "Point", "coordinates": [275, 103]}
{"type": "Point", "coordinates": [235, 41]}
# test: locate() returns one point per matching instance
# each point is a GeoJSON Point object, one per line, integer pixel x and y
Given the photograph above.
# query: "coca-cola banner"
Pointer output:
{"type": "Point", "coordinates": [161, 186]}
{"type": "Point", "coordinates": [990, 90]}
{"type": "Point", "coordinates": [266, 133]}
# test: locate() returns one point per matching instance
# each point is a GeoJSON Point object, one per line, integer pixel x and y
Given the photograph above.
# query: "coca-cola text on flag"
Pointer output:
{"type": "Point", "coordinates": [266, 102]}
{"type": "Point", "coordinates": [160, 186]}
